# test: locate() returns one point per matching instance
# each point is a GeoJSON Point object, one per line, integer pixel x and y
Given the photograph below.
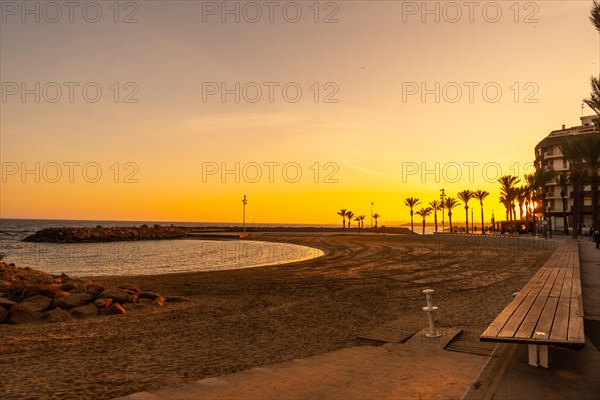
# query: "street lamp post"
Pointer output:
{"type": "Point", "coordinates": [371, 215]}
{"type": "Point", "coordinates": [442, 197]}
{"type": "Point", "coordinates": [244, 202]}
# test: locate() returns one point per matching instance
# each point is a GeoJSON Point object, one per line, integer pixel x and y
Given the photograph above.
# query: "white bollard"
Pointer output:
{"type": "Point", "coordinates": [429, 310]}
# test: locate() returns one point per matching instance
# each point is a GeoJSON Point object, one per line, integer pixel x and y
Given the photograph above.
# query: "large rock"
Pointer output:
{"type": "Point", "coordinates": [73, 301]}
{"type": "Point", "coordinates": [37, 303]}
{"type": "Point", "coordinates": [118, 295]}
{"type": "Point", "coordinates": [103, 304]}
{"type": "Point", "coordinates": [58, 315]}
{"type": "Point", "coordinates": [115, 309]}
{"type": "Point", "coordinates": [20, 314]}
{"type": "Point", "coordinates": [6, 303]}
{"type": "Point", "coordinates": [94, 288]}
{"type": "Point", "coordinates": [84, 311]}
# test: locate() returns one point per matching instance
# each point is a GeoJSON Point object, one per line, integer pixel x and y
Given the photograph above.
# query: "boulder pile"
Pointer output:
{"type": "Point", "coordinates": [109, 234]}
{"type": "Point", "coordinates": [29, 295]}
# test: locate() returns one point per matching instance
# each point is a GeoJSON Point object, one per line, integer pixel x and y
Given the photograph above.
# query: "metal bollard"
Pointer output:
{"type": "Point", "coordinates": [429, 310]}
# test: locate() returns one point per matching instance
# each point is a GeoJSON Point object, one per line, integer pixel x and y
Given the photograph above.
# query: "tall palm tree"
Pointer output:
{"type": "Point", "coordinates": [424, 212]}
{"type": "Point", "coordinates": [342, 213]}
{"type": "Point", "coordinates": [465, 196]}
{"type": "Point", "coordinates": [349, 214]}
{"type": "Point", "coordinates": [411, 202]}
{"type": "Point", "coordinates": [481, 195]}
{"type": "Point", "coordinates": [375, 217]}
{"type": "Point", "coordinates": [436, 205]}
{"type": "Point", "coordinates": [449, 204]}
{"type": "Point", "coordinates": [562, 180]}
{"type": "Point", "coordinates": [508, 185]}
{"type": "Point", "coordinates": [357, 219]}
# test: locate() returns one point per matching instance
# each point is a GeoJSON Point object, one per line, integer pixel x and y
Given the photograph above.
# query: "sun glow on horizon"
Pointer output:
{"type": "Point", "coordinates": [350, 113]}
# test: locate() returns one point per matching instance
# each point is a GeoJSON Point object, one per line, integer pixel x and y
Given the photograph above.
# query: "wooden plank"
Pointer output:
{"type": "Point", "coordinates": [567, 284]}
{"type": "Point", "coordinates": [529, 323]}
{"type": "Point", "coordinates": [560, 325]}
{"type": "Point", "coordinates": [576, 328]}
{"type": "Point", "coordinates": [544, 325]}
{"type": "Point", "coordinates": [557, 288]}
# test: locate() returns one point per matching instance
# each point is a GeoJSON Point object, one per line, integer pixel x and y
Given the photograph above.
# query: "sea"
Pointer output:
{"type": "Point", "coordinates": [149, 257]}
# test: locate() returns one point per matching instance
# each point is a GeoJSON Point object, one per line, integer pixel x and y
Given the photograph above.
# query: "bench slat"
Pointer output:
{"type": "Point", "coordinates": [560, 326]}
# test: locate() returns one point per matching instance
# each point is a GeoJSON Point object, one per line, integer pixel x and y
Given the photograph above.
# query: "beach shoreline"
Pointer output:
{"type": "Point", "coordinates": [239, 319]}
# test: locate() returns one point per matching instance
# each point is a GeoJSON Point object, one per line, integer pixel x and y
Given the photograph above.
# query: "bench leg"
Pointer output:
{"type": "Point", "coordinates": [533, 355]}
{"type": "Point", "coordinates": [543, 354]}
{"type": "Point", "coordinates": [538, 355]}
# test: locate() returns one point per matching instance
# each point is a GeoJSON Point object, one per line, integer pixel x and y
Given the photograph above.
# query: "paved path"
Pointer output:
{"type": "Point", "coordinates": [418, 369]}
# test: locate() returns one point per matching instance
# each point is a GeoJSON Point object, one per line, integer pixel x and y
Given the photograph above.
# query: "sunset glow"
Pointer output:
{"type": "Point", "coordinates": [196, 111]}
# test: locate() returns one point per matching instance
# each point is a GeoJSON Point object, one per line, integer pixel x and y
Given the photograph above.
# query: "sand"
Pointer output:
{"type": "Point", "coordinates": [242, 319]}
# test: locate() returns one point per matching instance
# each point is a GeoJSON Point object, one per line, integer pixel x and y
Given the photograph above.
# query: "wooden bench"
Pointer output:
{"type": "Point", "coordinates": [547, 311]}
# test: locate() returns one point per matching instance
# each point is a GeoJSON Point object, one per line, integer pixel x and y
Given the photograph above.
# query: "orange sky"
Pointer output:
{"type": "Point", "coordinates": [390, 106]}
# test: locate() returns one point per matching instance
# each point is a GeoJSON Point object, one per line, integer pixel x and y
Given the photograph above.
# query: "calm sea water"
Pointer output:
{"type": "Point", "coordinates": [138, 258]}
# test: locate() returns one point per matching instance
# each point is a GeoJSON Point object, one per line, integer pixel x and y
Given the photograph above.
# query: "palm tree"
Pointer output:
{"type": "Point", "coordinates": [507, 194]}
{"type": "Point", "coordinates": [411, 202]}
{"type": "Point", "coordinates": [595, 15]}
{"type": "Point", "coordinates": [424, 212]}
{"type": "Point", "coordinates": [342, 213]}
{"type": "Point", "coordinates": [562, 180]}
{"type": "Point", "coordinates": [481, 195]}
{"type": "Point", "coordinates": [362, 221]}
{"type": "Point", "coordinates": [436, 206]}
{"type": "Point", "coordinates": [520, 193]}
{"type": "Point", "coordinates": [465, 196]}
{"type": "Point", "coordinates": [449, 204]}
{"type": "Point", "coordinates": [357, 219]}
{"type": "Point", "coordinates": [375, 217]}
{"type": "Point", "coordinates": [349, 214]}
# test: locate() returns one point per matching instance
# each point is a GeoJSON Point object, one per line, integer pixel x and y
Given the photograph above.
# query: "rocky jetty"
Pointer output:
{"type": "Point", "coordinates": [102, 234]}
{"type": "Point", "coordinates": [29, 295]}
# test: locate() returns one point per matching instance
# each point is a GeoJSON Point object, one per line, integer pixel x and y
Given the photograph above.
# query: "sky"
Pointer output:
{"type": "Point", "coordinates": [174, 110]}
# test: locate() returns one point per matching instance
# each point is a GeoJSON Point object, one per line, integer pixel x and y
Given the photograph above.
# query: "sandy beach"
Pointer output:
{"type": "Point", "coordinates": [260, 316]}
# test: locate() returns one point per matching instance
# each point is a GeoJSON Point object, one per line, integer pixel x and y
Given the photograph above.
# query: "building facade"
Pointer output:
{"type": "Point", "coordinates": [549, 157]}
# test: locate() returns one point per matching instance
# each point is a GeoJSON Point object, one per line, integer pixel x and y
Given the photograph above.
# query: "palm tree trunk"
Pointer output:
{"type": "Point", "coordinates": [565, 219]}
{"type": "Point", "coordinates": [423, 226]}
{"type": "Point", "coordinates": [467, 219]}
{"type": "Point", "coordinates": [435, 220]}
{"type": "Point", "coordinates": [412, 226]}
{"type": "Point", "coordinates": [482, 221]}
{"type": "Point", "coordinates": [450, 220]}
